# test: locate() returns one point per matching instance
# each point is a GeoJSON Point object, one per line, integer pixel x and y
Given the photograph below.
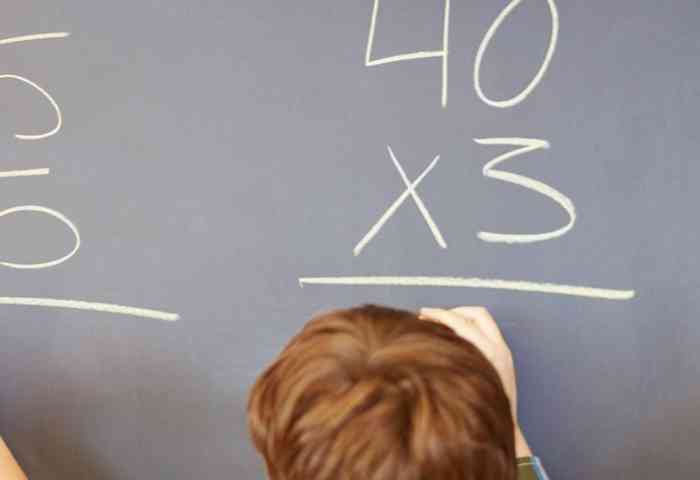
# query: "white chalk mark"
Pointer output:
{"type": "Point", "coordinates": [93, 306]}
{"type": "Point", "coordinates": [528, 145]}
{"type": "Point", "coordinates": [51, 302]}
{"type": "Point", "coordinates": [410, 190]}
{"type": "Point", "coordinates": [443, 53]}
{"type": "Point", "coordinates": [511, 102]}
{"type": "Point", "coordinates": [445, 49]}
{"type": "Point", "coordinates": [55, 106]}
{"type": "Point", "coordinates": [27, 38]}
{"type": "Point", "coordinates": [408, 56]}
{"type": "Point", "coordinates": [34, 36]}
{"type": "Point", "coordinates": [522, 286]}
{"type": "Point", "coordinates": [25, 173]}
{"type": "Point", "coordinates": [419, 203]}
{"type": "Point", "coordinates": [52, 213]}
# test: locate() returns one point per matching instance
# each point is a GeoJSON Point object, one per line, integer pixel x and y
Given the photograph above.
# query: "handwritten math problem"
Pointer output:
{"type": "Point", "coordinates": [521, 146]}
{"type": "Point", "coordinates": [51, 302]}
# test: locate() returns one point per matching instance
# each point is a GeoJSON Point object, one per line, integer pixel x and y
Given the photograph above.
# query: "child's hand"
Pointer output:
{"type": "Point", "coordinates": [9, 470]}
{"type": "Point", "coordinates": [476, 325]}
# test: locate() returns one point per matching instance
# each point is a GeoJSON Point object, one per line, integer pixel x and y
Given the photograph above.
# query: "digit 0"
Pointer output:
{"type": "Point", "coordinates": [51, 213]}
{"type": "Point", "coordinates": [513, 101]}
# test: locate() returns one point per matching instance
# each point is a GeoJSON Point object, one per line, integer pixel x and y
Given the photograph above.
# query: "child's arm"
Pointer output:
{"type": "Point", "coordinates": [9, 470]}
{"type": "Point", "coordinates": [476, 325]}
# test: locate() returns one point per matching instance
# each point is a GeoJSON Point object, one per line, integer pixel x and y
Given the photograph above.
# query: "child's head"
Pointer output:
{"type": "Point", "coordinates": [373, 393]}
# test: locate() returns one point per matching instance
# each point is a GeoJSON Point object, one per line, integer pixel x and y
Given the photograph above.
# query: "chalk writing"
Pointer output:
{"type": "Point", "coordinates": [25, 173]}
{"type": "Point", "coordinates": [422, 281]}
{"type": "Point", "coordinates": [33, 36]}
{"type": "Point", "coordinates": [93, 306]}
{"type": "Point", "coordinates": [26, 38]}
{"type": "Point", "coordinates": [442, 53]}
{"type": "Point", "coordinates": [52, 213]}
{"type": "Point", "coordinates": [59, 121]}
{"type": "Point", "coordinates": [511, 102]}
{"type": "Point", "coordinates": [528, 145]}
{"type": "Point", "coordinates": [51, 302]}
{"type": "Point", "coordinates": [410, 190]}
{"type": "Point", "coordinates": [525, 145]}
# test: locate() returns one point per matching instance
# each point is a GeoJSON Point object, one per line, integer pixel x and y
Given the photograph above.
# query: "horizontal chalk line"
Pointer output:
{"type": "Point", "coordinates": [405, 56]}
{"type": "Point", "coordinates": [558, 289]}
{"type": "Point", "coordinates": [94, 306]}
{"type": "Point", "coordinates": [34, 36]}
{"type": "Point", "coordinates": [25, 173]}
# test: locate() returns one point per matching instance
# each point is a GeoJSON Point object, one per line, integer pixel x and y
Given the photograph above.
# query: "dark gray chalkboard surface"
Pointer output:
{"type": "Point", "coordinates": [212, 154]}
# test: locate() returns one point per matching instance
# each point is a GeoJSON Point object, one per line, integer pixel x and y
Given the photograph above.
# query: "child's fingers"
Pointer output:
{"type": "Point", "coordinates": [483, 319]}
{"type": "Point", "coordinates": [444, 316]}
{"type": "Point", "coordinates": [464, 327]}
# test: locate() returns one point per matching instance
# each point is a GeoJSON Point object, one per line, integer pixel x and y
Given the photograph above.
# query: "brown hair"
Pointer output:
{"type": "Point", "coordinates": [374, 393]}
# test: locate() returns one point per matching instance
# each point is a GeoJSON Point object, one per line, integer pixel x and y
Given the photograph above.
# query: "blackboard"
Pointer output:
{"type": "Point", "coordinates": [222, 162]}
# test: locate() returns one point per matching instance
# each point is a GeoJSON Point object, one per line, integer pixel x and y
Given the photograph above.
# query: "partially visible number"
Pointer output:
{"type": "Point", "coordinates": [38, 171]}
{"type": "Point", "coordinates": [27, 38]}
{"type": "Point", "coordinates": [369, 62]}
{"type": "Point", "coordinates": [52, 213]}
{"type": "Point", "coordinates": [49, 98]}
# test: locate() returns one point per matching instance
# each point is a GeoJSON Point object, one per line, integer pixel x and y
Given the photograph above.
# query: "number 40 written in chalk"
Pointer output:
{"type": "Point", "coordinates": [443, 53]}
